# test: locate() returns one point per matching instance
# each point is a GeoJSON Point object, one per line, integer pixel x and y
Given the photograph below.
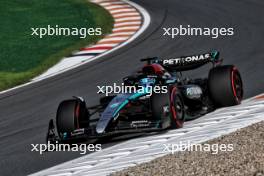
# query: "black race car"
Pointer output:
{"type": "Point", "coordinates": [142, 111]}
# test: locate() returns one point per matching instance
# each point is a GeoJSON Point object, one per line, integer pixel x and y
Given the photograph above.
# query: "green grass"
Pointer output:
{"type": "Point", "coordinates": [23, 56]}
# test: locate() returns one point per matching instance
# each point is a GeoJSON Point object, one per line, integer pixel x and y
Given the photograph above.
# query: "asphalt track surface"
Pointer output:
{"type": "Point", "coordinates": [25, 112]}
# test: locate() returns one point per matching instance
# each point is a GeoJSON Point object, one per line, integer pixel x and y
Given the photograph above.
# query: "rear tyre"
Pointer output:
{"type": "Point", "coordinates": [71, 115]}
{"type": "Point", "coordinates": [225, 86]}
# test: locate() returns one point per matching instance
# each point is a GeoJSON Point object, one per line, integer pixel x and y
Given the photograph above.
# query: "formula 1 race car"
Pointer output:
{"type": "Point", "coordinates": [144, 111]}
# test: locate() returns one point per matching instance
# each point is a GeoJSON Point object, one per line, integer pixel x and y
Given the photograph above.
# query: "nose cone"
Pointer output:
{"type": "Point", "coordinates": [102, 124]}
{"type": "Point", "coordinates": [111, 111]}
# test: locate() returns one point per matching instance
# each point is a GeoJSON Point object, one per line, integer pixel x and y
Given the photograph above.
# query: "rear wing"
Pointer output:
{"type": "Point", "coordinates": [190, 62]}
{"type": "Point", "coordinates": [185, 63]}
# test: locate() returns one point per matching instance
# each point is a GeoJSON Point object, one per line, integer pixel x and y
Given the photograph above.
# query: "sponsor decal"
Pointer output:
{"type": "Point", "coordinates": [77, 132]}
{"type": "Point", "coordinates": [186, 60]}
{"type": "Point", "coordinates": [193, 92]}
{"type": "Point", "coordinates": [140, 123]}
{"type": "Point", "coordinates": [166, 109]}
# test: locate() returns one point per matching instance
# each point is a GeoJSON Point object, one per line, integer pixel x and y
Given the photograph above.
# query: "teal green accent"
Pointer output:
{"type": "Point", "coordinates": [132, 97]}
{"type": "Point", "coordinates": [170, 81]}
{"type": "Point", "coordinates": [158, 123]}
{"type": "Point", "coordinates": [136, 95]}
{"type": "Point", "coordinates": [120, 107]}
{"type": "Point", "coordinates": [64, 135]}
{"type": "Point", "coordinates": [214, 54]}
{"type": "Point", "coordinates": [114, 105]}
{"type": "Point", "coordinates": [139, 94]}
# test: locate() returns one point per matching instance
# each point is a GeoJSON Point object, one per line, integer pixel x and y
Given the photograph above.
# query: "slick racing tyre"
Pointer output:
{"type": "Point", "coordinates": [177, 109]}
{"type": "Point", "coordinates": [160, 105]}
{"type": "Point", "coordinates": [71, 115]}
{"type": "Point", "coordinates": [168, 108]}
{"type": "Point", "coordinates": [225, 86]}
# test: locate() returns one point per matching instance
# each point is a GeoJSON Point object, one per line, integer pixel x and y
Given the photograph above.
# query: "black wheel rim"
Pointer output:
{"type": "Point", "coordinates": [178, 108]}
{"type": "Point", "coordinates": [237, 86]}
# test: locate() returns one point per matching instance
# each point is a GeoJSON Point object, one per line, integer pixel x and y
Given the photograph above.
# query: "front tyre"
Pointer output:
{"type": "Point", "coordinates": [168, 108]}
{"type": "Point", "coordinates": [160, 103]}
{"type": "Point", "coordinates": [71, 115]}
{"type": "Point", "coordinates": [176, 108]}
